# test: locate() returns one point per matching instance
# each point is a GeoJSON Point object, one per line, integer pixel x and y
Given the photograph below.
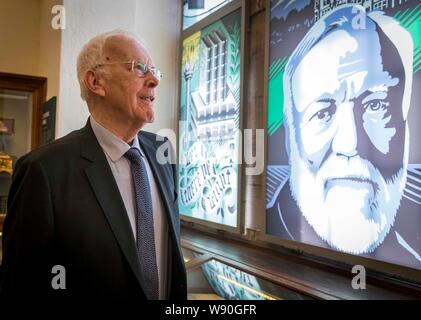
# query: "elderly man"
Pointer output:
{"type": "Point", "coordinates": [347, 95]}
{"type": "Point", "coordinates": [95, 206]}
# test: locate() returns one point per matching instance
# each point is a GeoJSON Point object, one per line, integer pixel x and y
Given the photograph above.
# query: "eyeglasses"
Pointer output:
{"type": "Point", "coordinates": [138, 67]}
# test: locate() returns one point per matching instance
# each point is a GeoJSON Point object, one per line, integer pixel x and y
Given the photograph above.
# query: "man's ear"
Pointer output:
{"type": "Point", "coordinates": [94, 84]}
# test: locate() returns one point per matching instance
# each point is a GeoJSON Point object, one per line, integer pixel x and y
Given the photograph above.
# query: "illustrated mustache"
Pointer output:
{"type": "Point", "coordinates": [356, 169]}
{"type": "Point", "coordinates": [354, 179]}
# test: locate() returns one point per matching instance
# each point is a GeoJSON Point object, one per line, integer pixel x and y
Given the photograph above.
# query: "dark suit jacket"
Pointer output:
{"type": "Point", "coordinates": [65, 209]}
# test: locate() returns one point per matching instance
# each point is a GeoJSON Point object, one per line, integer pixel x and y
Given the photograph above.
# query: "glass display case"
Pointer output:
{"type": "Point", "coordinates": [15, 136]}
{"type": "Point", "coordinates": [217, 280]}
{"type": "Point", "coordinates": [15, 139]}
{"type": "Point", "coordinates": [209, 278]}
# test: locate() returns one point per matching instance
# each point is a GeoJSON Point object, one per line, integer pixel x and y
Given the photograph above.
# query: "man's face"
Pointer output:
{"type": "Point", "coordinates": [348, 139]}
{"type": "Point", "coordinates": [129, 96]}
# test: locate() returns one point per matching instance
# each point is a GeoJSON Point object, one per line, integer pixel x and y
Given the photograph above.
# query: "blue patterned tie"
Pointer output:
{"type": "Point", "coordinates": [145, 241]}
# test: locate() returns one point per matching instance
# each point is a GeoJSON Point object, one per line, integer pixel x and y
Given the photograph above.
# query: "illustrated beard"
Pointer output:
{"type": "Point", "coordinates": [347, 202]}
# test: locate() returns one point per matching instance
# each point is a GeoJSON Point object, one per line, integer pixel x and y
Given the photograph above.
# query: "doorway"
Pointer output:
{"type": "Point", "coordinates": [21, 100]}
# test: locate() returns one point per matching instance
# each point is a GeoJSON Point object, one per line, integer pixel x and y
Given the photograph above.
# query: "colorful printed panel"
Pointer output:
{"type": "Point", "coordinates": [344, 163]}
{"type": "Point", "coordinates": [209, 122]}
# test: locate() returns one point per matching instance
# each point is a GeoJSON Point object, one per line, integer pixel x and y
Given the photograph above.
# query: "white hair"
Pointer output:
{"type": "Point", "coordinates": [402, 40]}
{"type": "Point", "coordinates": [92, 54]}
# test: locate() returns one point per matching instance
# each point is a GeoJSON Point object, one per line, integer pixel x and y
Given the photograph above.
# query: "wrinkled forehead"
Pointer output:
{"type": "Point", "coordinates": [125, 48]}
{"type": "Point", "coordinates": [342, 59]}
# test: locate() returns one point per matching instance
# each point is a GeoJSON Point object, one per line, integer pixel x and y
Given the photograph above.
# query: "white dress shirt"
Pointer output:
{"type": "Point", "coordinates": [114, 149]}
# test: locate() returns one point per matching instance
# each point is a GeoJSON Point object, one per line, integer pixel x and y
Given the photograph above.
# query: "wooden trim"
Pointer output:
{"type": "Point", "coordinates": [256, 7]}
{"type": "Point", "coordinates": [35, 85]}
{"type": "Point", "coordinates": [2, 216]}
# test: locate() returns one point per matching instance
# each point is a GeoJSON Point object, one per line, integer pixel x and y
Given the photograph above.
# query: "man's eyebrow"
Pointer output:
{"type": "Point", "coordinates": [379, 88]}
{"type": "Point", "coordinates": [374, 95]}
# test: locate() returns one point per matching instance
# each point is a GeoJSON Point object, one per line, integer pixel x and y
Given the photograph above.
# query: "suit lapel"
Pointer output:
{"type": "Point", "coordinates": [108, 195]}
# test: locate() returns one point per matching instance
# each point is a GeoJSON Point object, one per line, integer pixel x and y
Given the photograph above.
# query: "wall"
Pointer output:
{"type": "Point", "coordinates": [34, 48]}
{"type": "Point", "coordinates": [154, 21]}
{"type": "Point", "coordinates": [49, 44]}
{"type": "Point", "coordinates": [162, 41]}
{"type": "Point", "coordinates": [30, 46]}
{"type": "Point", "coordinates": [19, 36]}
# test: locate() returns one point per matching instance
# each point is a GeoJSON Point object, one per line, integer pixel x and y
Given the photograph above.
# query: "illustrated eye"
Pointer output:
{"type": "Point", "coordinates": [376, 105]}
{"type": "Point", "coordinates": [325, 114]}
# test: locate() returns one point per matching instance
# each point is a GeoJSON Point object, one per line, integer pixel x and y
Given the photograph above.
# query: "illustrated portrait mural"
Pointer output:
{"type": "Point", "coordinates": [344, 166]}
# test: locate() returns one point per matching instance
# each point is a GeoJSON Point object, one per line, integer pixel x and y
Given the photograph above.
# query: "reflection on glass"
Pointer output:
{"type": "Point", "coordinates": [233, 284]}
{"type": "Point", "coordinates": [15, 139]}
{"type": "Point", "coordinates": [196, 10]}
{"type": "Point", "coordinates": [15, 136]}
{"type": "Point", "coordinates": [216, 280]}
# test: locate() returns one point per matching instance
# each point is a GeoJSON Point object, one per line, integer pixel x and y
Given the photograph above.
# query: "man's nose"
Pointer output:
{"type": "Point", "coordinates": [152, 81]}
{"type": "Point", "coordinates": [345, 140]}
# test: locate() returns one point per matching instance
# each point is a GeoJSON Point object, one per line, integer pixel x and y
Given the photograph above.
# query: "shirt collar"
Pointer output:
{"type": "Point", "coordinates": [112, 145]}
